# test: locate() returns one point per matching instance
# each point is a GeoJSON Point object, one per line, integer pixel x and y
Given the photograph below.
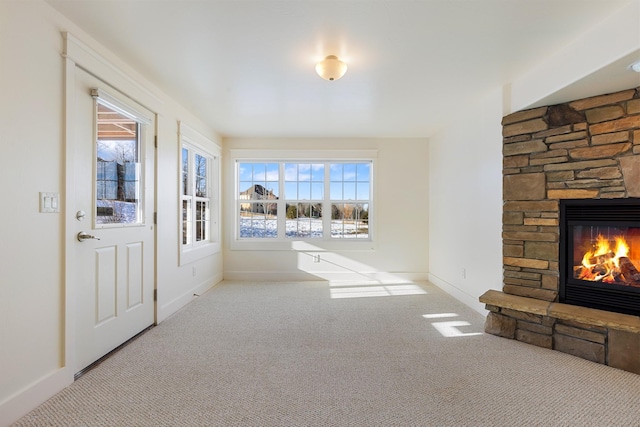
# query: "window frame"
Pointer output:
{"type": "Point", "coordinates": [143, 120]}
{"type": "Point", "coordinates": [282, 242]}
{"type": "Point", "coordinates": [198, 144]}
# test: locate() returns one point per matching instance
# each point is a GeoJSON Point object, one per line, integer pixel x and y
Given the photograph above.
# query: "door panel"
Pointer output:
{"type": "Point", "coordinates": [106, 284]}
{"type": "Point", "coordinates": [135, 269]}
{"type": "Point", "coordinates": [114, 170]}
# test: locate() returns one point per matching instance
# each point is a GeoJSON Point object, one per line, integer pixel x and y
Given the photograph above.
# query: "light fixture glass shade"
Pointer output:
{"type": "Point", "coordinates": [331, 68]}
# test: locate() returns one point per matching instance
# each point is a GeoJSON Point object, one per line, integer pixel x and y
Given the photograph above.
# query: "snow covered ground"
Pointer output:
{"type": "Point", "coordinates": [261, 227]}
{"type": "Point", "coordinates": [123, 212]}
{"type": "Point", "coordinates": [258, 226]}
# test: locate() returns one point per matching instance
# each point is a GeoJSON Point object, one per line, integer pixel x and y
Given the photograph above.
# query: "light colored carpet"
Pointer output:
{"type": "Point", "coordinates": [287, 354]}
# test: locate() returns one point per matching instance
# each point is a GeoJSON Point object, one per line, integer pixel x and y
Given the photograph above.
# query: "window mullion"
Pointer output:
{"type": "Point", "coordinates": [192, 195]}
{"type": "Point", "coordinates": [210, 197]}
{"type": "Point", "coordinates": [282, 218]}
{"type": "Point", "coordinates": [186, 197]}
{"type": "Point", "coordinates": [281, 203]}
{"type": "Point", "coordinates": [326, 203]}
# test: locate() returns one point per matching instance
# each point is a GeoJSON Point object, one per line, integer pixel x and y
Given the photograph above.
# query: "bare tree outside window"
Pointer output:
{"type": "Point", "coordinates": [117, 168]}
{"type": "Point", "coordinates": [196, 197]}
{"type": "Point", "coordinates": [310, 188]}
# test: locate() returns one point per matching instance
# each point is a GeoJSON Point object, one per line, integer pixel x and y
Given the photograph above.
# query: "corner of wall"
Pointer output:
{"type": "Point", "coordinates": [615, 37]}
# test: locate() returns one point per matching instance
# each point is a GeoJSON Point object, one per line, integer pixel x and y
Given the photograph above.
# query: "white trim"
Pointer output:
{"type": "Point", "coordinates": [70, 263]}
{"type": "Point", "coordinates": [458, 294]}
{"type": "Point", "coordinates": [93, 62]}
{"type": "Point", "coordinates": [194, 254]}
{"type": "Point", "coordinates": [167, 309]}
{"type": "Point", "coordinates": [125, 109]}
{"type": "Point", "coordinates": [281, 244]}
{"type": "Point", "coordinates": [198, 139]}
{"type": "Point", "coordinates": [24, 401]}
{"type": "Point", "coordinates": [329, 276]}
{"type": "Point", "coordinates": [345, 155]}
{"type": "Point", "coordinates": [191, 138]}
{"type": "Point", "coordinates": [313, 245]}
{"type": "Point", "coordinates": [146, 118]}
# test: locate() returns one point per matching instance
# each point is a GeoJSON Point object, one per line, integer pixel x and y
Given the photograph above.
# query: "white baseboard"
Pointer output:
{"type": "Point", "coordinates": [269, 276]}
{"type": "Point", "coordinates": [458, 294]}
{"type": "Point", "coordinates": [301, 276]}
{"type": "Point", "coordinates": [26, 400]}
{"type": "Point", "coordinates": [171, 307]}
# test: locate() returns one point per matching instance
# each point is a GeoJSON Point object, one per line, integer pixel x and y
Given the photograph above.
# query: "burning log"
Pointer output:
{"type": "Point", "coordinates": [594, 273]}
{"type": "Point", "coordinates": [629, 274]}
{"type": "Point", "coordinates": [605, 265]}
{"type": "Point", "coordinates": [600, 270]}
{"type": "Point", "coordinates": [602, 258]}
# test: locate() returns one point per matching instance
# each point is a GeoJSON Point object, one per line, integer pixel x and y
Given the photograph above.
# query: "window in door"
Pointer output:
{"type": "Point", "coordinates": [118, 191]}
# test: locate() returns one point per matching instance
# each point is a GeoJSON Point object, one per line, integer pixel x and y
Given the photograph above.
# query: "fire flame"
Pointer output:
{"type": "Point", "coordinates": [605, 258]}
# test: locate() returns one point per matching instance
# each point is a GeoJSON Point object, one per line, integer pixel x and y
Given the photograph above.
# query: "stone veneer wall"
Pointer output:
{"type": "Point", "coordinates": [585, 149]}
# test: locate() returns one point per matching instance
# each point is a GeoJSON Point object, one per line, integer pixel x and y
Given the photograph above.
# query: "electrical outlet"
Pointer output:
{"type": "Point", "coordinates": [316, 258]}
{"type": "Point", "coordinates": [464, 273]}
{"type": "Point", "coordinates": [193, 271]}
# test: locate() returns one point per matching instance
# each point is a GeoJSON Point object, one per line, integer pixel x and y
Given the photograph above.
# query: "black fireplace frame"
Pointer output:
{"type": "Point", "coordinates": [601, 212]}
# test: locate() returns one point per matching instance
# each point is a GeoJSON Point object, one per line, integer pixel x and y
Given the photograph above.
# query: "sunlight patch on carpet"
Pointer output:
{"type": "Point", "coordinates": [450, 329]}
{"type": "Point", "coordinates": [375, 291]}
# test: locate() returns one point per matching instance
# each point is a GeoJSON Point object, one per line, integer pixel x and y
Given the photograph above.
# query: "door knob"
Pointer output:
{"type": "Point", "coordinates": [82, 236]}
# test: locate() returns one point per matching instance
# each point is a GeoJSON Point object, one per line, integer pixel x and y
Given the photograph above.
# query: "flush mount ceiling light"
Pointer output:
{"type": "Point", "coordinates": [331, 68]}
{"type": "Point", "coordinates": [635, 67]}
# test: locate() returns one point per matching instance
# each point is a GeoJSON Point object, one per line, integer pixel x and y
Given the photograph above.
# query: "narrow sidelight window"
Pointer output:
{"type": "Point", "coordinates": [196, 196]}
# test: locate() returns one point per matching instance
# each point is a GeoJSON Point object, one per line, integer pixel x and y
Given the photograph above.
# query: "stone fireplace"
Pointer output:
{"type": "Point", "coordinates": [586, 151]}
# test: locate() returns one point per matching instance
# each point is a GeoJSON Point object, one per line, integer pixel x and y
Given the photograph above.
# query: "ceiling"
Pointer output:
{"type": "Point", "coordinates": [246, 68]}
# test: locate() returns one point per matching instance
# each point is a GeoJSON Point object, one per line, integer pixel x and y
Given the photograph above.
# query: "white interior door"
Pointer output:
{"type": "Point", "coordinates": [114, 248]}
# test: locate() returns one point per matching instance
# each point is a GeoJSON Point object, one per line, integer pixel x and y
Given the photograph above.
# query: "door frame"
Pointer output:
{"type": "Point", "coordinates": [77, 54]}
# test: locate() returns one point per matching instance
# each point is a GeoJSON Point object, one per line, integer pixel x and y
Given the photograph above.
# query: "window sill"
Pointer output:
{"type": "Point", "coordinates": [195, 254]}
{"type": "Point", "coordinates": [304, 245]}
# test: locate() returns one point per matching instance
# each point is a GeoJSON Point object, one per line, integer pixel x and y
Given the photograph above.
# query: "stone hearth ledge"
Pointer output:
{"type": "Point", "coordinates": [622, 322]}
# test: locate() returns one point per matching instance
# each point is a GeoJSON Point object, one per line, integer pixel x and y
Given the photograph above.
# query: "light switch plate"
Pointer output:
{"type": "Point", "coordinates": [49, 202]}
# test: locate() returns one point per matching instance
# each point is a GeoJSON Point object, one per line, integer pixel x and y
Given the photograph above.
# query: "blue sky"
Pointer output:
{"type": "Point", "coordinates": [305, 181]}
{"type": "Point", "coordinates": [110, 150]}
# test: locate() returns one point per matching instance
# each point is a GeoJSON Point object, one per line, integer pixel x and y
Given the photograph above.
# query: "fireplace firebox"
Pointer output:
{"type": "Point", "coordinates": [600, 254]}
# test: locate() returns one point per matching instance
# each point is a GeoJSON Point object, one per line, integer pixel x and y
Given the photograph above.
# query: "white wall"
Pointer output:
{"type": "Point", "coordinates": [465, 158]}
{"type": "Point", "coordinates": [465, 199]}
{"type": "Point", "coordinates": [31, 288]}
{"type": "Point", "coordinates": [34, 351]}
{"type": "Point", "coordinates": [400, 204]}
{"type": "Point", "coordinates": [177, 284]}
{"type": "Point", "coordinates": [615, 37]}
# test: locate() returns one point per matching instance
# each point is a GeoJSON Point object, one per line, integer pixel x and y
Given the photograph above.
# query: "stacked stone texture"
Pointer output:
{"type": "Point", "coordinates": [585, 149]}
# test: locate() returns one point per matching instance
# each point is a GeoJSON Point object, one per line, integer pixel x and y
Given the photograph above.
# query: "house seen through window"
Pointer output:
{"type": "Point", "coordinates": [304, 200]}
